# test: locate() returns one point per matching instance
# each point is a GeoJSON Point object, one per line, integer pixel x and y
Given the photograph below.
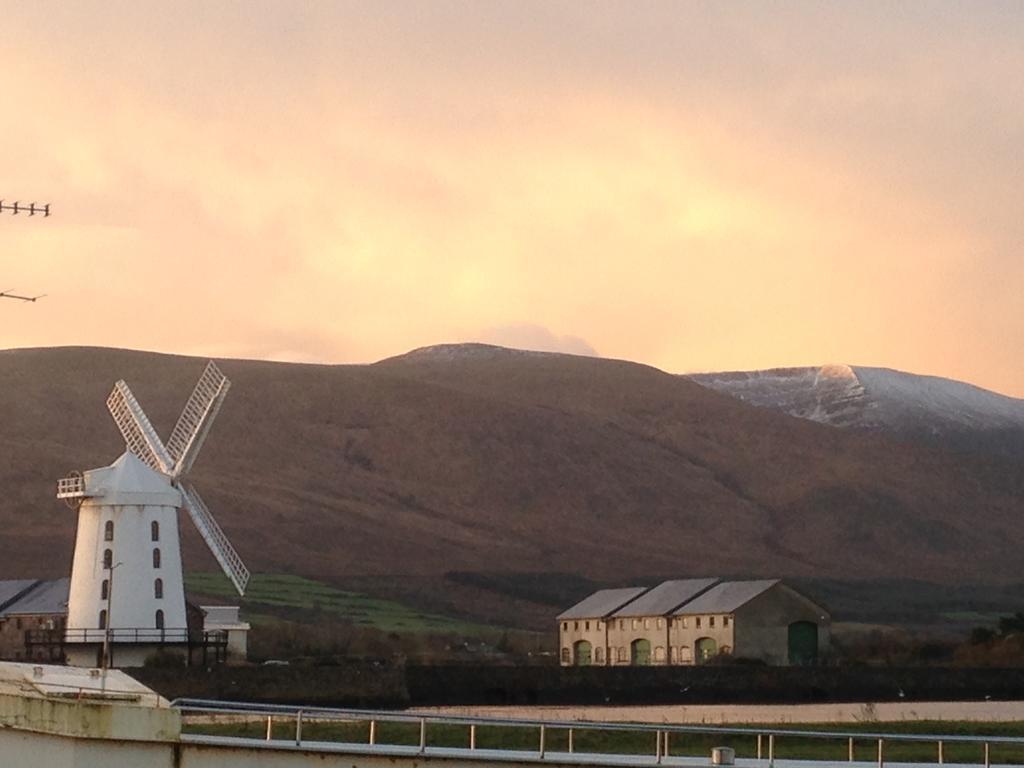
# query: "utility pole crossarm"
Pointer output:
{"type": "Point", "coordinates": [31, 209]}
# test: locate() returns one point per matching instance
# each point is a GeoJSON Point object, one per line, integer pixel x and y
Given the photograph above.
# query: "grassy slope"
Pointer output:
{"type": "Point", "coordinates": [271, 596]}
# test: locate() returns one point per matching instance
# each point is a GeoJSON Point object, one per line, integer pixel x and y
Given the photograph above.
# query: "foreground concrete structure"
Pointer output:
{"type": "Point", "coordinates": [61, 717]}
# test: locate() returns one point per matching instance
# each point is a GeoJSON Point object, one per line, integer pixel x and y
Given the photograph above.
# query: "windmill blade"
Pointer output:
{"type": "Point", "coordinates": [215, 539]}
{"type": "Point", "coordinates": [194, 423]}
{"type": "Point", "coordinates": [139, 435]}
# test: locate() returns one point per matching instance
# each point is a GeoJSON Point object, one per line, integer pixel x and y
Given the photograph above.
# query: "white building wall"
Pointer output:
{"type": "Point", "coordinates": [132, 601]}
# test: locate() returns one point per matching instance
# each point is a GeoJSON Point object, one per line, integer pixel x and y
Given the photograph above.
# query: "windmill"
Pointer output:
{"type": "Point", "coordinates": [128, 528]}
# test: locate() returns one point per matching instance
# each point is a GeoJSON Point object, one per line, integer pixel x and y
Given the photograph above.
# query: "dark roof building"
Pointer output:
{"type": "Point", "coordinates": [602, 603]}
{"type": "Point", "coordinates": [33, 614]}
{"type": "Point", "coordinates": [665, 597]}
{"type": "Point", "coordinates": [692, 621]}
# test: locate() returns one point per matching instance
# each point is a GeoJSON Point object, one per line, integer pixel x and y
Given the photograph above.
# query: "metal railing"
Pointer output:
{"type": "Point", "coordinates": [763, 742]}
{"type": "Point", "coordinates": [71, 486]}
{"type": "Point", "coordinates": [126, 635]}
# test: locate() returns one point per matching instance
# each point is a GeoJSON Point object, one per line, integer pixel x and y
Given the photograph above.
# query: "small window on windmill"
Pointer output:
{"type": "Point", "coordinates": [108, 531]}
{"type": "Point", "coordinates": [103, 619]}
{"type": "Point", "coordinates": [156, 558]}
{"type": "Point", "coordinates": [105, 589]}
{"type": "Point", "coordinates": [159, 619]}
{"type": "Point", "coordinates": [158, 589]}
{"type": "Point", "coordinates": [154, 531]}
{"type": "Point", "coordinates": [108, 558]}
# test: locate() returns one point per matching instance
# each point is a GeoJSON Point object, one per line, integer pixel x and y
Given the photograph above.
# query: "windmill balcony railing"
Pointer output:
{"type": "Point", "coordinates": [127, 635]}
{"type": "Point", "coordinates": [69, 487]}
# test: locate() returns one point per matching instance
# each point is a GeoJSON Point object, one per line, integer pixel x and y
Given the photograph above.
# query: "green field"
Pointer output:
{"type": "Point", "coordinates": [273, 597]}
{"type": "Point", "coordinates": [637, 742]}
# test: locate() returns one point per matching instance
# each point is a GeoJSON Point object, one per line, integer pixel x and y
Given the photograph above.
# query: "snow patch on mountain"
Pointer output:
{"type": "Point", "coordinates": [858, 396]}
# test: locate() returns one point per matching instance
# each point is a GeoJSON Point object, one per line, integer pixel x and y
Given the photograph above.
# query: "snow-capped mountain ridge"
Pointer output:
{"type": "Point", "coordinates": [866, 397]}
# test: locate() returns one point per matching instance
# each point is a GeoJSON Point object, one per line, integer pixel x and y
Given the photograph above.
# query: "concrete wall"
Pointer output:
{"type": "Point", "coordinates": [762, 625]}
{"type": "Point", "coordinates": [687, 631]}
{"type": "Point", "coordinates": [623, 632]}
{"type": "Point", "coordinates": [132, 601]}
{"type": "Point", "coordinates": [571, 631]}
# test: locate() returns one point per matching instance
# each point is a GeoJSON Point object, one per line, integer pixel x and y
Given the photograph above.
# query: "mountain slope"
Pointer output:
{"type": "Point", "coordinates": [881, 399]}
{"type": "Point", "coordinates": [475, 458]}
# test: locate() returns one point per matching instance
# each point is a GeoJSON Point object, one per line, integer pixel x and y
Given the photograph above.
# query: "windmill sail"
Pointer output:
{"type": "Point", "coordinates": [194, 423]}
{"type": "Point", "coordinates": [139, 435]}
{"type": "Point", "coordinates": [215, 539]}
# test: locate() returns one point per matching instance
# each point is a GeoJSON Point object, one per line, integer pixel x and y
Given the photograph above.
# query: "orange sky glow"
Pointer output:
{"type": "Point", "coordinates": [697, 186]}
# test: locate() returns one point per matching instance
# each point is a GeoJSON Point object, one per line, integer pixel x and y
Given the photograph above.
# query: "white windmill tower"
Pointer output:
{"type": "Point", "coordinates": [127, 595]}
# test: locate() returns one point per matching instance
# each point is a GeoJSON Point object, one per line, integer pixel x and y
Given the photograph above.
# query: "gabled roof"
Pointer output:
{"type": "Point", "coordinates": [602, 603]}
{"type": "Point", "coordinates": [44, 597]}
{"type": "Point", "coordinates": [665, 597]}
{"type": "Point", "coordinates": [725, 597]}
{"type": "Point", "coordinates": [10, 591]}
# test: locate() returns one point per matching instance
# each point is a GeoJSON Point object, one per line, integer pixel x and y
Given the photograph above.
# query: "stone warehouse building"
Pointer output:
{"type": "Point", "coordinates": [33, 614]}
{"type": "Point", "coordinates": [691, 621]}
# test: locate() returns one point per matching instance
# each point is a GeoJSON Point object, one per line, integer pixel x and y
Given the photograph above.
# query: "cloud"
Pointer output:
{"type": "Point", "coordinates": [536, 338]}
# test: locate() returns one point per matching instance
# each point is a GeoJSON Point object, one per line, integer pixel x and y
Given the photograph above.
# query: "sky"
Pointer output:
{"type": "Point", "coordinates": [696, 186]}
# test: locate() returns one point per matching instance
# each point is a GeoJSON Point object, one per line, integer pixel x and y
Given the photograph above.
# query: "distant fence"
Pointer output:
{"type": "Point", "coordinates": [382, 684]}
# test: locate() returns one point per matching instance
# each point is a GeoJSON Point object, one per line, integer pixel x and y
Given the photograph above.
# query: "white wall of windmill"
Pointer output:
{"type": "Point", "coordinates": [132, 603]}
{"type": "Point", "coordinates": [132, 581]}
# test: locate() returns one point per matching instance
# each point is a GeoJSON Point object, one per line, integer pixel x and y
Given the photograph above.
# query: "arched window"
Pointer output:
{"type": "Point", "coordinates": [565, 656]}
{"type": "Point", "coordinates": [659, 654]}
{"type": "Point", "coordinates": [108, 558]}
{"type": "Point", "coordinates": [154, 531]}
{"type": "Point", "coordinates": [108, 530]}
{"type": "Point", "coordinates": [105, 589]}
{"type": "Point", "coordinates": [158, 589]}
{"type": "Point", "coordinates": [156, 558]}
{"type": "Point", "coordinates": [159, 619]}
{"type": "Point", "coordinates": [103, 619]}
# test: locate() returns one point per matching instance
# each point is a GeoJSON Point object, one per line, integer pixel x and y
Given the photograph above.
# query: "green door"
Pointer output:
{"type": "Point", "coordinates": [581, 653]}
{"type": "Point", "coordinates": [706, 648]}
{"type": "Point", "coordinates": [803, 642]}
{"type": "Point", "coordinates": [640, 652]}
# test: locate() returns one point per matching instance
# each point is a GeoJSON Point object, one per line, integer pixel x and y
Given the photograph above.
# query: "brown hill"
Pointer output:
{"type": "Point", "coordinates": [476, 458]}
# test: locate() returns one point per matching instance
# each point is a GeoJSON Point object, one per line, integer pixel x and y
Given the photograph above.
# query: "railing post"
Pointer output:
{"type": "Point", "coordinates": [987, 761]}
{"type": "Point", "coordinates": [571, 745]}
{"type": "Point", "coordinates": [423, 734]}
{"type": "Point", "coordinates": [942, 757]}
{"type": "Point", "coordinates": [270, 727]}
{"type": "Point", "coordinates": [849, 750]}
{"type": "Point", "coordinates": [657, 746]}
{"type": "Point", "coordinates": [771, 749]}
{"type": "Point", "coordinates": [667, 753]}
{"type": "Point", "coordinates": [542, 745]}
{"type": "Point", "coordinates": [472, 736]}
{"type": "Point", "coordinates": [881, 755]}
{"type": "Point", "coordinates": [759, 746]}
{"type": "Point", "coordinates": [298, 729]}
{"type": "Point", "coordinates": [373, 732]}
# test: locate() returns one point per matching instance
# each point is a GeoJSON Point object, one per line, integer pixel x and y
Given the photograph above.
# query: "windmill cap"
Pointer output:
{"type": "Point", "coordinates": [130, 481]}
